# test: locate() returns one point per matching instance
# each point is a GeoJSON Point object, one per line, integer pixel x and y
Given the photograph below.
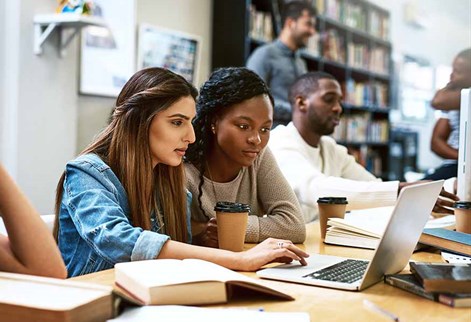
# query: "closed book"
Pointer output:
{"type": "Point", "coordinates": [455, 300]}
{"type": "Point", "coordinates": [442, 277]}
{"type": "Point", "coordinates": [26, 298]}
{"type": "Point", "coordinates": [451, 240]}
{"type": "Point", "coordinates": [186, 282]}
{"type": "Point", "coordinates": [409, 283]}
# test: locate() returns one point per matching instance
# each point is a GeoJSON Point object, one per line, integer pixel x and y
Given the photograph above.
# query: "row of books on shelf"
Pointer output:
{"type": "Point", "coordinates": [375, 59]}
{"type": "Point", "coordinates": [360, 128]}
{"type": "Point", "coordinates": [358, 54]}
{"type": "Point", "coordinates": [379, 25]}
{"type": "Point", "coordinates": [370, 159]}
{"type": "Point", "coordinates": [355, 15]}
{"type": "Point", "coordinates": [370, 94]}
{"type": "Point", "coordinates": [260, 25]}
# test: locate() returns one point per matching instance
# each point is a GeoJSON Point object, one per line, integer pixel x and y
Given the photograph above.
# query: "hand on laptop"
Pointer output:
{"type": "Point", "coordinates": [272, 250]}
{"type": "Point", "coordinates": [445, 201]}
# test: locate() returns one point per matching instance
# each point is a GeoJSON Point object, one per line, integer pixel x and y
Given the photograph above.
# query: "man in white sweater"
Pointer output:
{"type": "Point", "coordinates": [314, 164]}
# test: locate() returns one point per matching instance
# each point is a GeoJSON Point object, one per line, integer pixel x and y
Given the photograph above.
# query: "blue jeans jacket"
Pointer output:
{"type": "Point", "coordinates": [95, 230]}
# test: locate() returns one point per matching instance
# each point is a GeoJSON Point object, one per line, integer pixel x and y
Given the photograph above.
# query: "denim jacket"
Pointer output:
{"type": "Point", "coordinates": [95, 229]}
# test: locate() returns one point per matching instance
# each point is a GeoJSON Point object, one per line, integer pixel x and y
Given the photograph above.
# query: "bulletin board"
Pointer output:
{"type": "Point", "coordinates": [107, 55]}
{"type": "Point", "coordinates": [171, 49]}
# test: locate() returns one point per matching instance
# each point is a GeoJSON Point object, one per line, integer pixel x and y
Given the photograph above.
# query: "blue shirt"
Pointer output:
{"type": "Point", "coordinates": [279, 67]}
{"type": "Point", "coordinates": [95, 226]}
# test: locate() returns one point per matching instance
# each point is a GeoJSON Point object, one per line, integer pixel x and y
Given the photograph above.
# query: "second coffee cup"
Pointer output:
{"type": "Point", "coordinates": [330, 207]}
{"type": "Point", "coordinates": [232, 223]}
{"type": "Point", "coordinates": [463, 216]}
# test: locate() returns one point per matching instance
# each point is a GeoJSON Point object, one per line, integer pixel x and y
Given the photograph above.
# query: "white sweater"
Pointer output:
{"type": "Point", "coordinates": [326, 170]}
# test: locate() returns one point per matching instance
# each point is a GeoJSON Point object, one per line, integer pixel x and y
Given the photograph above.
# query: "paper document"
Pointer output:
{"type": "Point", "coordinates": [174, 313]}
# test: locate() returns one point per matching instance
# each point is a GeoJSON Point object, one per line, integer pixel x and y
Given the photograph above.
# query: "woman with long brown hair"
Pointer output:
{"type": "Point", "coordinates": [123, 198]}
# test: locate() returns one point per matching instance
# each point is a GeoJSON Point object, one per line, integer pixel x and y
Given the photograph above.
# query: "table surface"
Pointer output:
{"type": "Point", "coordinates": [324, 304]}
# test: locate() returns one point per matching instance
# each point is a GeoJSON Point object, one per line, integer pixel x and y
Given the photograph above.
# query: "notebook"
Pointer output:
{"type": "Point", "coordinates": [413, 208]}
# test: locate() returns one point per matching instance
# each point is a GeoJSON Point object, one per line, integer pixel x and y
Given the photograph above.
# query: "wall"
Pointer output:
{"type": "Point", "coordinates": [447, 32]}
{"type": "Point", "coordinates": [43, 121]}
{"type": "Point", "coordinates": [38, 105]}
{"type": "Point", "coordinates": [189, 16]}
{"type": "Point", "coordinates": [3, 29]}
{"type": "Point", "coordinates": [9, 65]}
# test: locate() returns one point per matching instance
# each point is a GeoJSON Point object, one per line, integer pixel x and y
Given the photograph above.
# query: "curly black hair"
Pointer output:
{"type": "Point", "coordinates": [225, 87]}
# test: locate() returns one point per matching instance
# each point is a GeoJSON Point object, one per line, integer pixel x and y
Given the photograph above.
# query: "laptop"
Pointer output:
{"type": "Point", "coordinates": [412, 210]}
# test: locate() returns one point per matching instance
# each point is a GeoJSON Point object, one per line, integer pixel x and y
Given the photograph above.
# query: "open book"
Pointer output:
{"type": "Point", "coordinates": [185, 282]}
{"type": "Point", "coordinates": [25, 298]}
{"type": "Point", "coordinates": [364, 228]}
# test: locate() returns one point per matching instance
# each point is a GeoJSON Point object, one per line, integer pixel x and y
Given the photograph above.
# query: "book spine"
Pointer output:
{"type": "Point", "coordinates": [409, 287]}
{"type": "Point", "coordinates": [453, 302]}
{"type": "Point", "coordinates": [446, 300]}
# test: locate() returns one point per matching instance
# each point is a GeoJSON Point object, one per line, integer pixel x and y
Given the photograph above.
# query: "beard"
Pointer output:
{"type": "Point", "coordinates": [319, 127]}
{"type": "Point", "coordinates": [300, 40]}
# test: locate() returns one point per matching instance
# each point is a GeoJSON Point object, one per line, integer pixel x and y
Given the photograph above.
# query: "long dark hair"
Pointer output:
{"type": "Point", "coordinates": [124, 146]}
{"type": "Point", "coordinates": [224, 88]}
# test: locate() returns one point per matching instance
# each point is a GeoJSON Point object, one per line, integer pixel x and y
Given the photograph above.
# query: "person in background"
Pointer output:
{"type": "Point", "coordinates": [230, 161]}
{"type": "Point", "coordinates": [446, 132]}
{"type": "Point", "coordinates": [29, 247]}
{"type": "Point", "coordinates": [124, 198]}
{"type": "Point", "coordinates": [279, 63]}
{"type": "Point", "coordinates": [314, 164]}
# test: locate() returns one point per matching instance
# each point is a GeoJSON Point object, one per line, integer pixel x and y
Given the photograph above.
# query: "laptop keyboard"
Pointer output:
{"type": "Point", "coordinates": [347, 271]}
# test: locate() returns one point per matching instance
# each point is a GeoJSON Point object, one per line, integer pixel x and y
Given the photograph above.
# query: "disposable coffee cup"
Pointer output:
{"type": "Point", "coordinates": [463, 216]}
{"type": "Point", "coordinates": [232, 223]}
{"type": "Point", "coordinates": [330, 207]}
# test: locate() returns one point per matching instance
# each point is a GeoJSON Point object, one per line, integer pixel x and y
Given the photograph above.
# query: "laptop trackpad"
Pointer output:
{"type": "Point", "coordinates": [294, 269]}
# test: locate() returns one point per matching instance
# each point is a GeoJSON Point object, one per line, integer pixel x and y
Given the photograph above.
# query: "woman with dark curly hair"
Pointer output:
{"type": "Point", "coordinates": [229, 160]}
{"type": "Point", "coordinates": [124, 198]}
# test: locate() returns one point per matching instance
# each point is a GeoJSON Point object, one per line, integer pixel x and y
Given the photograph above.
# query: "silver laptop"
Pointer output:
{"type": "Point", "coordinates": [412, 210]}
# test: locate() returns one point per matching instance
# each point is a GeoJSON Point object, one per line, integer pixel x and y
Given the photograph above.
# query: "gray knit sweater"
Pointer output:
{"type": "Point", "coordinates": [275, 211]}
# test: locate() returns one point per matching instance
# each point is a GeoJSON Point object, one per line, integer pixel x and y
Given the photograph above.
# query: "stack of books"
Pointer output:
{"type": "Point", "coordinates": [449, 284]}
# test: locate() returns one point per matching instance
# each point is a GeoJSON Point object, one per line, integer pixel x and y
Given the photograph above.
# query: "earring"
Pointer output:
{"type": "Point", "coordinates": [213, 128]}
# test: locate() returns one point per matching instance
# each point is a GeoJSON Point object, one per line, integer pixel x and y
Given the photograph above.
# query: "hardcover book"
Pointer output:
{"type": "Point", "coordinates": [447, 239]}
{"type": "Point", "coordinates": [443, 277]}
{"type": "Point", "coordinates": [186, 282]}
{"type": "Point", "coordinates": [409, 283]}
{"type": "Point", "coordinates": [26, 298]}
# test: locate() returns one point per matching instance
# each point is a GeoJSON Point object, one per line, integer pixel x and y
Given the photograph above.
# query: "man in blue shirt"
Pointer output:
{"type": "Point", "coordinates": [279, 63]}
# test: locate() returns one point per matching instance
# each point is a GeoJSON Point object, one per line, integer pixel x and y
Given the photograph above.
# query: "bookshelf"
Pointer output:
{"type": "Point", "coordinates": [351, 43]}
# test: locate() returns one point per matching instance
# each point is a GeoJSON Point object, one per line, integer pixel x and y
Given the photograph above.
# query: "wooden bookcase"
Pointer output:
{"type": "Point", "coordinates": [352, 43]}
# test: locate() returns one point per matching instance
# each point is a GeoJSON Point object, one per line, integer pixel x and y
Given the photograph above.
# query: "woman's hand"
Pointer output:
{"type": "Point", "coordinates": [209, 234]}
{"type": "Point", "coordinates": [269, 251]}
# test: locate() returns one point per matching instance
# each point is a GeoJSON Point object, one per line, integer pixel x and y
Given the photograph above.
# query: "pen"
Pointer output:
{"type": "Point", "coordinates": [370, 305]}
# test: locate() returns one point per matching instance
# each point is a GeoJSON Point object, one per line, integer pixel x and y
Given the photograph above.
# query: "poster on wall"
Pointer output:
{"type": "Point", "coordinates": [177, 51]}
{"type": "Point", "coordinates": [107, 55]}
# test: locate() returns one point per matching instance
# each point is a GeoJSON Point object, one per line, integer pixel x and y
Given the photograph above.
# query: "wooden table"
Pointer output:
{"type": "Point", "coordinates": [325, 304]}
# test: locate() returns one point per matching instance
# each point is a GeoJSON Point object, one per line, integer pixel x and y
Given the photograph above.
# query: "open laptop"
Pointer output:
{"type": "Point", "coordinates": [412, 210]}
